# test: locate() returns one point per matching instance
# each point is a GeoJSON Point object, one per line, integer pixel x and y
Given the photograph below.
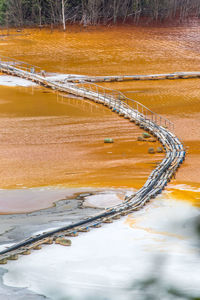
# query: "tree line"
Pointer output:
{"type": "Point", "coordinates": [92, 12]}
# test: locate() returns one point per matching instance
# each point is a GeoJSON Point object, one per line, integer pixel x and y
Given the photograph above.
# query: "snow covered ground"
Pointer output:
{"type": "Point", "coordinates": [7, 80]}
{"type": "Point", "coordinates": [104, 263]}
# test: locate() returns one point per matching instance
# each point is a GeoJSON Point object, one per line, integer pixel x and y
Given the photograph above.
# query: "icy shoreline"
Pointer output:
{"type": "Point", "coordinates": [107, 261]}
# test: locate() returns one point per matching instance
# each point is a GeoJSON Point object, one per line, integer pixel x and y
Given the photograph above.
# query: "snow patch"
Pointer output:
{"type": "Point", "coordinates": [106, 199]}
{"type": "Point", "coordinates": [8, 80]}
{"type": "Point", "coordinates": [102, 200]}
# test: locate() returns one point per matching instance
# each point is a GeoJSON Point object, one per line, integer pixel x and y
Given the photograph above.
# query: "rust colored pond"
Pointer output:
{"type": "Point", "coordinates": [46, 140]}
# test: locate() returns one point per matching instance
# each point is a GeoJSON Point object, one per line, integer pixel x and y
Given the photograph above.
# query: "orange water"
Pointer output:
{"type": "Point", "coordinates": [103, 50]}
{"type": "Point", "coordinates": [47, 141]}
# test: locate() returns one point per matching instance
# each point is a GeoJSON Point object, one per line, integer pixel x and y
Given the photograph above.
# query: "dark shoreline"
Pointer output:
{"type": "Point", "coordinates": [191, 21]}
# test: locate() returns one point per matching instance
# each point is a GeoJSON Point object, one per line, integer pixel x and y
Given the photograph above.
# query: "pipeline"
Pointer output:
{"type": "Point", "coordinates": [115, 78]}
{"type": "Point", "coordinates": [156, 182]}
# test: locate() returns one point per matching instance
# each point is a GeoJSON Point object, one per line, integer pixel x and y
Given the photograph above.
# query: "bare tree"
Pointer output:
{"type": "Point", "coordinates": [20, 12]}
{"type": "Point", "coordinates": [63, 14]}
{"type": "Point", "coordinates": [38, 5]}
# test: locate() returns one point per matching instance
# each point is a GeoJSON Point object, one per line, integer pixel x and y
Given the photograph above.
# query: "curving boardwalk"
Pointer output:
{"type": "Point", "coordinates": [135, 112]}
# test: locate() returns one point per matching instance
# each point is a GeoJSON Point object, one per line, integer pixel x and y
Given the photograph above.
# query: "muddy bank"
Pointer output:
{"type": "Point", "coordinates": [24, 200]}
{"type": "Point", "coordinates": [17, 227]}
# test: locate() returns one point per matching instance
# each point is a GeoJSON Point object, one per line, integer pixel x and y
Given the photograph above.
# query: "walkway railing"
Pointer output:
{"type": "Point", "coordinates": [116, 97]}
{"type": "Point", "coordinates": [156, 182]}
{"type": "Point", "coordinates": [20, 64]}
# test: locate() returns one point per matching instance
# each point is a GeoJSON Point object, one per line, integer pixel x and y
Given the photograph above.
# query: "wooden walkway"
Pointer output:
{"type": "Point", "coordinates": [136, 113]}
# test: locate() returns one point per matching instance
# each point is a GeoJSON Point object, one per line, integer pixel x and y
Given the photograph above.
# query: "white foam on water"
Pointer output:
{"type": "Point", "coordinates": [7, 80]}
{"type": "Point", "coordinates": [103, 200]}
{"type": "Point", "coordinates": [107, 260]}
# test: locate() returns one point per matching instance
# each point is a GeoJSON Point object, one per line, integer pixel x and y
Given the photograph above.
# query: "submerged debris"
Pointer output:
{"type": "Point", "coordinates": [63, 241]}
{"type": "Point", "coordinates": [146, 135]}
{"type": "Point", "coordinates": [151, 150]}
{"type": "Point", "coordinates": [108, 140]}
{"type": "Point", "coordinates": [141, 139]}
{"type": "Point", "coordinates": [159, 150]}
{"type": "Point", "coordinates": [152, 140]}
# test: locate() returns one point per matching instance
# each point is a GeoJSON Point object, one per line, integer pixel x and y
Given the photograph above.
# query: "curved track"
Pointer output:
{"type": "Point", "coordinates": [135, 112]}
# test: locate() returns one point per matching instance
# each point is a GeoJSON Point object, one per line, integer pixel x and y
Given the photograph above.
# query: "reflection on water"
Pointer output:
{"type": "Point", "coordinates": [85, 106]}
